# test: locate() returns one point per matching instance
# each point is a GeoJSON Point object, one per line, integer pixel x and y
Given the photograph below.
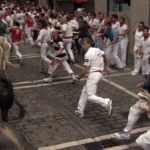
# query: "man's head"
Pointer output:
{"type": "Point", "coordinates": [86, 43]}
{"type": "Point", "coordinates": [108, 25]}
{"type": "Point", "coordinates": [16, 23]}
{"type": "Point", "coordinates": [114, 17]}
{"type": "Point", "coordinates": [141, 25]}
{"type": "Point", "coordinates": [63, 20]}
{"type": "Point", "coordinates": [146, 32]}
{"type": "Point", "coordinates": [101, 15]}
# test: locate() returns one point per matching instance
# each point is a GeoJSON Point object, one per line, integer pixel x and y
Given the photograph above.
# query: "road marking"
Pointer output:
{"type": "Point", "coordinates": [44, 84]}
{"type": "Point", "coordinates": [37, 81]}
{"type": "Point", "coordinates": [53, 83]}
{"type": "Point", "coordinates": [123, 147]}
{"type": "Point", "coordinates": [89, 140]}
{"type": "Point", "coordinates": [26, 55]}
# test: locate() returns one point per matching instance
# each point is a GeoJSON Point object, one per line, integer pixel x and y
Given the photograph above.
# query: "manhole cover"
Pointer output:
{"type": "Point", "coordinates": [101, 145]}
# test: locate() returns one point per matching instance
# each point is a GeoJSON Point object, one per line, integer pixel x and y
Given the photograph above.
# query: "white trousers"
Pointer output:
{"type": "Point", "coordinates": [123, 44]}
{"type": "Point", "coordinates": [134, 115]}
{"type": "Point", "coordinates": [89, 92]}
{"type": "Point", "coordinates": [145, 65]}
{"type": "Point", "coordinates": [57, 63]}
{"type": "Point", "coordinates": [44, 49]}
{"type": "Point", "coordinates": [137, 61]}
{"type": "Point", "coordinates": [29, 34]}
{"type": "Point", "coordinates": [16, 48]}
{"type": "Point", "coordinates": [68, 46]}
{"type": "Point", "coordinates": [144, 140]}
{"type": "Point", "coordinates": [112, 52]}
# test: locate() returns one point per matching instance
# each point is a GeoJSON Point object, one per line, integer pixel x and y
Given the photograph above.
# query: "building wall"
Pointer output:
{"type": "Point", "coordinates": [139, 11]}
{"type": "Point", "coordinates": [101, 6]}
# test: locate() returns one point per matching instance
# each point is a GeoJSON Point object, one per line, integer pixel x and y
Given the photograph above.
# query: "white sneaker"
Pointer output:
{"type": "Point", "coordinates": [79, 114]}
{"type": "Point", "coordinates": [49, 80]}
{"type": "Point", "coordinates": [73, 77]}
{"type": "Point", "coordinates": [109, 107]}
{"type": "Point", "coordinates": [122, 135]}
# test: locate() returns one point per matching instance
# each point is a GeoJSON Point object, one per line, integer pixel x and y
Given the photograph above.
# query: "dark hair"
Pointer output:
{"type": "Point", "coordinates": [115, 16]}
{"type": "Point", "coordinates": [16, 23]}
{"type": "Point", "coordinates": [146, 28]}
{"type": "Point", "coordinates": [100, 13]}
{"type": "Point", "coordinates": [108, 24]}
{"type": "Point", "coordinates": [44, 23]}
{"type": "Point", "coordinates": [87, 40]}
{"type": "Point", "coordinates": [141, 22]}
{"type": "Point", "coordinates": [93, 14]}
{"type": "Point", "coordinates": [123, 18]}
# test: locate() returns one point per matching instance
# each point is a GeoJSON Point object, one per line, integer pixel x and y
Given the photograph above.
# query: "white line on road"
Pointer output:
{"type": "Point", "coordinates": [44, 84]}
{"type": "Point", "coordinates": [89, 140]}
{"type": "Point", "coordinates": [26, 55]}
{"type": "Point", "coordinates": [49, 84]}
{"type": "Point", "coordinates": [37, 81]}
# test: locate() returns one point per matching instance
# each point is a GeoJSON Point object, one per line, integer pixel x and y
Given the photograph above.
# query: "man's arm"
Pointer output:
{"type": "Point", "coordinates": [145, 106]}
{"type": "Point", "coordinates": [84, 72]}
{"type": "Point", "coordinates": [106, 64]}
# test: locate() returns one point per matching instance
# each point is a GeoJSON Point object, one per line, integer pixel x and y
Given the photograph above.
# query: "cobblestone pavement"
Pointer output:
{"type": "Point", "coordinates": [50, 118]}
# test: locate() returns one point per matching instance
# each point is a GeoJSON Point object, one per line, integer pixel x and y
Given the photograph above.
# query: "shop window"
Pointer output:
{"type": "Point", "coordinates": [119, 5]}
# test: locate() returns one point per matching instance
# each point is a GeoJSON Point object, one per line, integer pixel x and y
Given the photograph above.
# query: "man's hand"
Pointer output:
{"type": "Point", "coordinates": [144, 106]}
{"type": "Point", "coordinates": [107, 70]}
{"type": "Point", "coordinates": [77, 77]}
{"type": "Point", "coordinates": [33, 44]}
{"type": "Point", "coordinates": [146, 94]}
{"type": "Point", "coordinates": [57, 58]}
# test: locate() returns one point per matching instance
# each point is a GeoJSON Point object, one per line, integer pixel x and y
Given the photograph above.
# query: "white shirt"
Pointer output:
{"type": "Point", "coordinates": [86, 18]}
{"type": "Point", "coordinates": [116, 26]}
{"type": "Point", "coordinates": [67, 29]}
{"type": "Point", "coordinates": [53, 21]}
{"type": "Point", "coordinates": [94, 59]}
{"type": "Point", "coordinates": [9, 21]}
{"type": "Point", "coordinates": [123, 28]}
{"type": "Point", "coordinates": [138, 36]}
{"type": "Point", "coordinates": [94, 22]}
{"type": "Point", "coordinates": [145, 45]}
{"type": "Point", "coordinates": [44, 35]}
{"type": "Point", "coordinates": [74, 24]}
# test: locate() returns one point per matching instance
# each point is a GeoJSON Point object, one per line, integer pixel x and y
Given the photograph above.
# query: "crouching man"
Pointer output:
{"type": "Point", "coordinates": [58, 56]}
{"type": "Point", "coordinates": [143, 105]}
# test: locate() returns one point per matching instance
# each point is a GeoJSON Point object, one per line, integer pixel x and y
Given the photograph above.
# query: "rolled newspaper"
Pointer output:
{"type": "Point", "coordinates": [143, 97]}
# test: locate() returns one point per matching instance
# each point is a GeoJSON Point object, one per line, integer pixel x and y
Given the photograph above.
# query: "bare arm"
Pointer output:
{"type": "Point", "coordinates": [84, 72]}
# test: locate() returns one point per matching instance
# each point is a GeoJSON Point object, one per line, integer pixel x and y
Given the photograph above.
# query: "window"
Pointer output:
{"type": "Point", "coordinates": [118, 5]}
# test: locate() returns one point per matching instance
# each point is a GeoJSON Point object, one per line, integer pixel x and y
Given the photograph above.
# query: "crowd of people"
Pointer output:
{"type": "Point", "coordinates": [103, 40]}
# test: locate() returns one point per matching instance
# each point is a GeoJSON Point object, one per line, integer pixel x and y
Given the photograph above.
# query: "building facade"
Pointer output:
{"type": "Point", "coordinates": [133, 10]}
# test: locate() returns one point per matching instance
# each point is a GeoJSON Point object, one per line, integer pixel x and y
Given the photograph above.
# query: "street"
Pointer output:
{"type": "Point", "coordinates": [50, 122]}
